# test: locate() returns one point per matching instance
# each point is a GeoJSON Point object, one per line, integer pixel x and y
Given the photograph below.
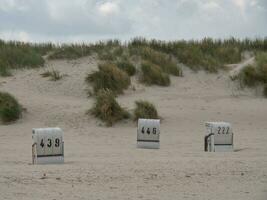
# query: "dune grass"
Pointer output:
{"type": "Point", "coordinates": [70, 52]}
{"type": "Point", "coordinates": [164, 61]}
{"type": "Point", "coordinates": [265, 91]}
{"type": "Point", "coordinates": [208, 54]}
{"type": "Point", "coordinates": [248, 76]}
{"type": "Point", "coordinates": [15, 55]}
{"type": "Point", "coordinates": [253, 75]}
{"type": "Point", "coordinates": [145, 110]}
{"type": "Point", "coordinates": [107, 108]}
{"type": "Point", "coordinates": [109, 77]}
{"type": "Point", "coordinates": [4, 70]}
{"type": "Point", "coordinates": [153, 75]}
{"type": "Point", "coordinates": [126, 66]}
{"type": "Point", "coordinates": [10, 110]}
{"type": "Point", "coordinates": [261, 65]}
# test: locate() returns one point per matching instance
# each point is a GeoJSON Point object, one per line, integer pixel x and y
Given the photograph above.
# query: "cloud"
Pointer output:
{"type": "Point", "coordinates": [19, 35]}
{"type": "Point", "coordinates": [90, 20]}
{"type": "Point", "coordinates": [10, 5]}
{"type": "Point", "coordinates": [241, 4]}
{"type": "Point", "coordinates": [108, 8]}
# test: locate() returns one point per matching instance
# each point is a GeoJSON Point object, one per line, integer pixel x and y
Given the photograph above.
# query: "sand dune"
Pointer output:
{"type": "Point", "coordinates": [103, 163]}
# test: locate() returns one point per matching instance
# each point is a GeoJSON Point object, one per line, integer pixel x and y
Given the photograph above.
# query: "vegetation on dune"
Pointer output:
{"type": "Point", "coordinates": [107, 108]}
{"type": "Point", "coordinates": [153, 75]}
{"type": "Point", "coordinates": [10, 110]}
{"type": "Point", "coordinates": [15, 55]}
{"type": "Point", "coordinates": [261, 65]}
{"type": "Point", "coordinates": [265, 91]}
{"type": "Point", "coordinates": [208, 54]}
{"type": "Point", "coordinates": [164, 61]}
{"type": "Point", "coordinates": [70, 52]}
{"type": "Point", "coordinates": [127, 66]}
{"type": "Point", "coordinates": [145, 110]}
{"type": "Point", "coordinates": [109, 77]}
{"type": "Point", "coordinates": [248, 76]}
{"type": "Point", "coordinates": [253, 75]}
{"type": "Point", "coordinates": [4, 70]}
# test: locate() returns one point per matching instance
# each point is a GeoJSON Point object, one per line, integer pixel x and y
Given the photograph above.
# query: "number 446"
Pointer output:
{"type": "Point", "coordinates": [148, 131]}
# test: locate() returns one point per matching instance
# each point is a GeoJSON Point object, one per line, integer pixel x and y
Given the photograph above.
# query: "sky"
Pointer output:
{"type": "Point", "coordinates": [93, 20]}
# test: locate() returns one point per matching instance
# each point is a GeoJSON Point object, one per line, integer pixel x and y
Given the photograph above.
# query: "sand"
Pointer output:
{"type": "Point", "coordinates": [103, 163]}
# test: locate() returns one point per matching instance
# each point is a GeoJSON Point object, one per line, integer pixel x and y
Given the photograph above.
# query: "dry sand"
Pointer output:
{"type": "Point", "coordinates": [103, 163]}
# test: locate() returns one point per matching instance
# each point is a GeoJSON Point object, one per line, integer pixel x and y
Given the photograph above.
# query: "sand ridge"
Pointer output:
{"type": "Point", "coordinates": [103, 163]}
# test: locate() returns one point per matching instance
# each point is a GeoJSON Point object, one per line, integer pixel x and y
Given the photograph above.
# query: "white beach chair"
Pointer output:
{"type": "Point", "coordinates": [48, 146]}
{"type": "Point", "coordinates": [148, 132]}
{"type": "Point", "coordinates": [219, 137]}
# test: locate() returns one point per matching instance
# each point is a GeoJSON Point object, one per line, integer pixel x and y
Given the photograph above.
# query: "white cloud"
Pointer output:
{"type": "Point", "coordinates": [63, 10]}
{"type": "Point", "coordinates": [90, 20]}
{"type": "Point", "coordinates": [212, 5]}
{"type": "Point", "coordinates": [108, 8]}
{"type": "Point", "coordinates": [15, 35]}
{"type": "Point", "coordinates": [241, 4]}
{"type": "Point", "coordinates": [10, 5]}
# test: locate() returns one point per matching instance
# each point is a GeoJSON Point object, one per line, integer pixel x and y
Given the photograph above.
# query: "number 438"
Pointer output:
{"type": "Point", "coordinates": [148, 131]}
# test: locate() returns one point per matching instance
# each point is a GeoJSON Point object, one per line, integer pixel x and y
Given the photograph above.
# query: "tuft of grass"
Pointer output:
{"type": "Point", "coordinates": [265, 91]}
{"type": "Point", "coordinates": [4, 70]}
{"type": "Point", "coordinates": [248, 76]}
{"type": "Point", "coordinates": [127, 66]}
{"type": "Point", "coordinates": [146, 110]}
{"type": "Point", "coordinates": [261, 61]}
{"type": "Point", "coordinates": [53, 74]}
{"type": "Point", "coordinates": [253, 75]}
{"type": "Point", "coordinates": [153, 75]}
{"type": "Point", "coordinates": [164, 61]}
{"type": "Point", "coordinates": [109, 77]}
{"type": "Point", "coordinates": [106, 55]}
{"type": "Point", "coordinates": [107, 108]}
{"type": "Point", "coordinates": [18, 57]}
{"type": "Point", "coordinates": [10, 110]}
{"type": "Point", "coordinates": [70, 52]}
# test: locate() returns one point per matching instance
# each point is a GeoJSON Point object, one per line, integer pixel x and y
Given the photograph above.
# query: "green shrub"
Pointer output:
{"type": "Point", "coordinates": [164, 61]}
{"type": "Point", "coordinates": [109, 77]}
{"type": "Point", "coordinates": [4, 70]}
{"type": "Point", "coordinates": [70, 52]}
{"type": "Point", "coordinates": [107, 108]}
{"type": "Point", "coordinates": [145, 110]}
{"type": "Point", "coordinates": [54, 75]}
{"type": "Point", "coordinates": [261, 62]}
{"type": "Point", "coordinates": [265, 90]}
{"type": "Point", "coordinates": [253, 75]}
{"type": "Point", "coordinates": [106, 55]}
{"type": "Point", "coordinates": [10, 110]}
{"type": "Point", "coordinates": [152, 74]}
{"type": "Point", "coordinates": [118, 52]}
{"type": "Point", "coordinates": [127, 66]}
{"type": "Point", "coordinates": [248, 76]}
{"type": "Point", "coordinates": [210, 64]}
{"type": "Point", "coordinates": [227, 55]}
{"type": "Point", "coordinates": [20, 57]}
{"type": "Point", "coordinates": [190, 56]}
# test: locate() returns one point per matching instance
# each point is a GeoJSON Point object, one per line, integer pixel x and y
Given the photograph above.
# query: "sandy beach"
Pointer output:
{"type": "Point", "coordinates": [103, 162]}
